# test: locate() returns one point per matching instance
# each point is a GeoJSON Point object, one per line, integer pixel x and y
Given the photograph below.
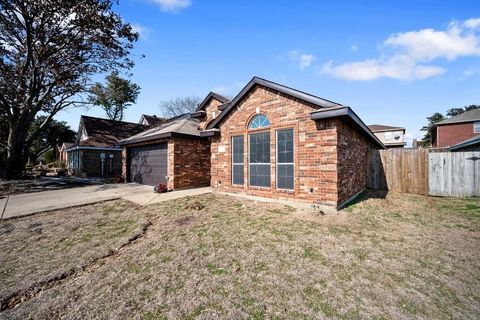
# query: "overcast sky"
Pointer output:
{"type": "Point", "coordinates": [394, 64]}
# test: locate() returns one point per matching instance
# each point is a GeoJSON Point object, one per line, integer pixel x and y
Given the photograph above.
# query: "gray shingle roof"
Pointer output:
{"type": "Point", "coordinates": [209, 96]}
{"type": "Point", "coordinates": [182, 126]}
{"type": "Point", "coordinates": [472, 115]}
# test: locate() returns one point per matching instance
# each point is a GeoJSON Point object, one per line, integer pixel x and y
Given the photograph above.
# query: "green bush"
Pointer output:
{"type": "Point", "coordinates": [49, 156]}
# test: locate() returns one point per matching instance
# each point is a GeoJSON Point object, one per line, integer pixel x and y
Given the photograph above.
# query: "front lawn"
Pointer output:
{"type": "Point", "coordinates": [215, 256]}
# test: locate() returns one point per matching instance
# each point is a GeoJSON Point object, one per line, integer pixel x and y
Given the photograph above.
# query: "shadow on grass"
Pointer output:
{"type": "Point", "coordinates": [365, 195]}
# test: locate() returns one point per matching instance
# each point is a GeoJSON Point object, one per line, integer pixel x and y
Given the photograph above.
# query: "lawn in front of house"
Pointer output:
{"type": "Point", "coordinates": [404, 256]}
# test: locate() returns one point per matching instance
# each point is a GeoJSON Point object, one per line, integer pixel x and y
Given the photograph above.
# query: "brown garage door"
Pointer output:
{"type": "Point", "coordinates": [148, 164]}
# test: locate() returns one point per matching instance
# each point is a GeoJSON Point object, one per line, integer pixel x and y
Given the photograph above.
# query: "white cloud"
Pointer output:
{"type": "Point", "coordinates": [410, 54]}
{"type": "Point", "coordinates": [428, 44]}
{"type": "Point", "coordinates": [397, 67]}
{"type": "Point", "coordinates": [354, 48]}
{"type": "Point", "coordinates": [302, 59]}
{"type": "Point", "coordinates": [143, 31]}
{"type": "Point", "coordinates": [172, 5]}
{"type": "Point", "coordinates": [472, 23]}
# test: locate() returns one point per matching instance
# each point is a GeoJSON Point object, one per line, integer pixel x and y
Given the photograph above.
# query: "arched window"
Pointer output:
{"type": "Point", "coordinates": [259, 121]}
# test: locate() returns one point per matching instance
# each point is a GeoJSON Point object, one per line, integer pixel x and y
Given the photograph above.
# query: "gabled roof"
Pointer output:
{"type": "Point", "coordinates": [465, 144]}
{"type": "Point", "coordinates": [105, 132]}
{"type": "Point", "coordinates": [211, 95]}
{"type": "Point", "coordinates": [152, 120]}
{"type": "Point", "coordinates": [180, 126]}
{"type": "Point", "coordinates": [381, 128]}
{"type": "Point", "coordinates": [468, 116]}
{"type": "Point", "coordinates": [317, 101]}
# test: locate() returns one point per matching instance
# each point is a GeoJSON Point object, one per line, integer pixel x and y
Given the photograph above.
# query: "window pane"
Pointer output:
{"type": "Point", "coordinates": [237, 160]}
{"type": "Point", "coordinates": [259, 165]}
{"type": "Point", "coordinates": [285, 168]}
{"type": "Point", "coordinates": [285, 176]}
{"type": "Point", "coordinates": [237, 174]}
{"type": "Point", "coordinates": [477, 127]}
{"type": "Point", "coordinates": [285, 146]}
{"type": "Point", "coordinates": [260, 147]}
{"type": "Point", "coordinates": [260, 175]}
{"type": "Point", "coordinates": [237, 152]}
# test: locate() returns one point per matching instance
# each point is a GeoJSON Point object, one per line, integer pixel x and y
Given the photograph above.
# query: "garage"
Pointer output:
{"type": "Point", "coordinates": [148, 164]}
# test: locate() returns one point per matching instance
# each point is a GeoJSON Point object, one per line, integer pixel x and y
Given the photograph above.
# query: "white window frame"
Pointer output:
{"type": "Point", "coordinates": [250, 163]}
{"type": "Point", "coordinates": [243, 160]}
{"type": "Point", "coordinates": [476, 127]}
{"type": "Point", "coordinates": [276, 159]}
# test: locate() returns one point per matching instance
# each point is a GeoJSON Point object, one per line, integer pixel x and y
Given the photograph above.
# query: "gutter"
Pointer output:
{"type": "Point", "coordinates": [165, 135]}
{"type": "Point", "coordinates": [345, 112]}
{"type": "Point", "coordinates": [92, 148]}
{"type": "Point", "coordinates": [209, 133]}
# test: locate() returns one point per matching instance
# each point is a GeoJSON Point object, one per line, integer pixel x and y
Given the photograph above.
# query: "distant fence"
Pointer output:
{"type": "Point", "coordinates": [454, 174]}
{"type": "Point", "coordinates": [423, 172]}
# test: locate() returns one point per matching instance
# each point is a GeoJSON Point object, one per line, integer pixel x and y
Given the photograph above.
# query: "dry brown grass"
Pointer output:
{"type": "Point", "coordinates": [221, 257]}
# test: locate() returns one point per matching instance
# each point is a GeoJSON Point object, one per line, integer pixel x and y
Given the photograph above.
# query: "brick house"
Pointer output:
{"type": "Point", "coordinates": [391, 137]}
{"type": "Point", "coordinates": [269, 141]}
{"type": "Point", "coordinates": [456, 129]}
{"type": "Point", "coordinates": [95, 152]}
{"type": "Point", "coordinates": [277, 142]}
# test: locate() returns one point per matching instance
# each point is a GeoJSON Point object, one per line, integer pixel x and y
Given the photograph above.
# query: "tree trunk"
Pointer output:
{"type": "Point", "coordinates": [16, 156]}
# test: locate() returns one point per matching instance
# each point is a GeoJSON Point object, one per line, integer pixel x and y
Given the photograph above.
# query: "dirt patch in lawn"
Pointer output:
{"type": "Point", "coordinates": [223, 257]}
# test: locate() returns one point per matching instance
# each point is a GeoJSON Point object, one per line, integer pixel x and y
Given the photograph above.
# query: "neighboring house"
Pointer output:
{"type": "Point", "coordinates": [62, 154]}
{"type": "Point", "coordinates": [391, 137]}
{"type": "Point", "coordinates": [95, 153]}
{"type": "Point", "coordinates": [472, 144]}
{"type": "Point", "coordinates": [456, 129]}
{"type": "Point", "coordinates": [269, 141]}
{"type": "Point", "coordinates": [151, 121]}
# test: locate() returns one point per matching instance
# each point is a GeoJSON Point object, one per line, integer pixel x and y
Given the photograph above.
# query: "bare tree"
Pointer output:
{"type": "Point", "coordinates": [178, 106]}
{"type": "Point", "coordinates": [49, 49]}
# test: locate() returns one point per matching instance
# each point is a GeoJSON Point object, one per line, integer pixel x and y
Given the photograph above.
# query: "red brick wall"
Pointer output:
{"type": "Point", "coordinates": [353, 149]}
{"type": "Point", "coordinates": [191, 163]}
{"type": "Point", "coordinates": [450, 134]}
{"type": "Point", "coordinates": [315, 148]}
{"type": "Point", "coordinates": [212, 106]}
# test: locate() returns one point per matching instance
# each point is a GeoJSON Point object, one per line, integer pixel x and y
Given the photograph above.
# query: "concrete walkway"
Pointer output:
{"type": "Point", "coordinates": [30, 203]}
{"type": "Point", "coordinates": [151, 197]}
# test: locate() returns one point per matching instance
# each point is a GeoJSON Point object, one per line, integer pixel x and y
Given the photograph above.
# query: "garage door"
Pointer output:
{"type": "Point", "coordinates": [148, 164]}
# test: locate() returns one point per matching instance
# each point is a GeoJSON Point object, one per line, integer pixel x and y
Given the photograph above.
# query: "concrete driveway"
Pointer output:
{"type": "Point", "coordinates": [29, 203]}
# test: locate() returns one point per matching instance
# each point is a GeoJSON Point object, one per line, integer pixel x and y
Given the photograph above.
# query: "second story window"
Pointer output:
{"type": "Point", "coordinates": [476, 127]}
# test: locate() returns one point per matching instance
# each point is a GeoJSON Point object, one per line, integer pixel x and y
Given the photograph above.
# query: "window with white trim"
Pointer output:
{"type": "Point", "coordinates": [285, 162]}
{"type": "Point", "coordinates": [259, 159]}
{"type": "Point", "coordinates": [237, 160]}
{"type": "Point", "coordinates": [476, 127]}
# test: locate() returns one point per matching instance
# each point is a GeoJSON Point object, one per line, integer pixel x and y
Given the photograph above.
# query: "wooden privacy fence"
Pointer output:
{"type": "Point", "coordinates": [455, 174]}
{"type": "Point", "coordinates": [423, 172]}
{"type": "Point", "coordinates": [399, 170]}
